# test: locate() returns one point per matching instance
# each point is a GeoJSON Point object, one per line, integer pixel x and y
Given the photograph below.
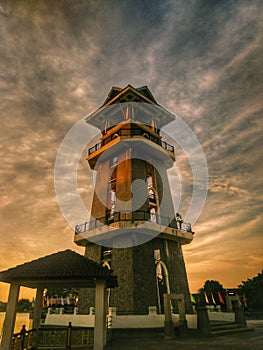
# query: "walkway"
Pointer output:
{"type": "Point", "coordinates": [239, 341]}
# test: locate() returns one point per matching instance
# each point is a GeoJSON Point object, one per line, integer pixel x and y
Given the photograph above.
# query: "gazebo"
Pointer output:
{"type": "Point", "coordinates": [64, 269]}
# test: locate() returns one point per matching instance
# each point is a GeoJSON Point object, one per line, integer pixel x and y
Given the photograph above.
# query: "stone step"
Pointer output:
{"type": "Point", "coordinates": [220, 323]}
{"type": "Point", "coordinates": [223, 326]}
{"type": "Point", "coordinates": [217, 333]}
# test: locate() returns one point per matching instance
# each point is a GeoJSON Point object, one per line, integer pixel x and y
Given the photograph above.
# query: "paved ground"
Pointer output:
{"type": "Point", "coordinates": [238, 341]}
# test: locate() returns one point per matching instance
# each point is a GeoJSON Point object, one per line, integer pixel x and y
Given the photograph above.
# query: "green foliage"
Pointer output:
{"type": "Point", "coordinates": [253, 291]}
{"type": "Point", "coordinates": [63, 292]}
{"type": "Point", "coordinates": [24, 305]}
{"type": "Point", "coordinates": [212, 286]}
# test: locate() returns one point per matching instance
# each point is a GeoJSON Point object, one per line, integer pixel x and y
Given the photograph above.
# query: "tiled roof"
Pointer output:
{"type": "Point", "coordinates": [63, 266]}
{"type": "Point", "coordinates": [117, 90]}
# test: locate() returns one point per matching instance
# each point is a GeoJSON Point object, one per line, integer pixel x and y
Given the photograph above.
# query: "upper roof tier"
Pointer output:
{"type": "Point", "coordinates": [130, 103]}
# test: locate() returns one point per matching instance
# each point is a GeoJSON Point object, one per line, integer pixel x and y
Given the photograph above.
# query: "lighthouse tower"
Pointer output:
{"type": "Point", "coordinates": [133, 228]}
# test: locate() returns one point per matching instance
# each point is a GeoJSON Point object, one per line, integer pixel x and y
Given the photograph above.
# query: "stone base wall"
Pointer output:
{"type": "Point", "coordinates": [135, 269]}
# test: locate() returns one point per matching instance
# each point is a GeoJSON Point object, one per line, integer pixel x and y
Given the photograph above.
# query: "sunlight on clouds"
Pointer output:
{"type": "Point", "coordinates": [203, 63]}
{"type": "Point", "coordinates": [4, 200]}
{"type": "Point", "coordinates": [226, 185]}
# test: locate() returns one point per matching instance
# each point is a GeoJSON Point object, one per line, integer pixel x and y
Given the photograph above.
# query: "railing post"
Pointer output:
{"type": "Point", "coordinates": [69, 330]}
{"type": "Point", "coordinates": [22, 337]}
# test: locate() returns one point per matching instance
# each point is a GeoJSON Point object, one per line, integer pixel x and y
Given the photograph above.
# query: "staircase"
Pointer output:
{"type": "Point", "coordinates": [217, 328]}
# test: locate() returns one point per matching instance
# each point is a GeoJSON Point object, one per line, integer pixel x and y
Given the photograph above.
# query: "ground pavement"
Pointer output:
{"type": "Point", "coordinates": [239, 341]}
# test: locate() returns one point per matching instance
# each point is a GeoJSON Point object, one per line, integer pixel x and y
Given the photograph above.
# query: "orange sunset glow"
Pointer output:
{"type": "Point", "coordinates": [202, 62]}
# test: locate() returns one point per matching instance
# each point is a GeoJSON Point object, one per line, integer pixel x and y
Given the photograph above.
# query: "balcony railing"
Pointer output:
{"type": "Point", "coordinates": [131, 132]}
{"type": "Point", "coordinates": [132, 217]}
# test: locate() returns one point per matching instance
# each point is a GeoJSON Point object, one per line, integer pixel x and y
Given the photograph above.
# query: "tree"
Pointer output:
{"type": "Point", "coordinates": [24, 305]}
{"type": "Point", "coordinates": [63, 292]}
{"type": "Point", "coordinates": [252, 291]}
{"type": "Point", "coordinates": [212, 289]}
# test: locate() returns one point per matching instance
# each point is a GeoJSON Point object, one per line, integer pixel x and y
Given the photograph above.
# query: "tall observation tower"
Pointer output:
{"type": "Point", "coordinates": [133, 228]}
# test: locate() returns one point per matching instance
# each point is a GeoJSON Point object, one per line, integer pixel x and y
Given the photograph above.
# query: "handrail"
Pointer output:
{"type": "Point", "coordinates": [131, 216]}
{"type": "Point", "coordinates": [54, 337]}
{"type": "Point", "coordinates": [131, 132]}
{"type": "Point", "coordinates": [23, 339]}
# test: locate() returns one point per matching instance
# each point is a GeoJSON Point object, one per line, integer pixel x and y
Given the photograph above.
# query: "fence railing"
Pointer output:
{"type": "Point", "coordinates": [131, 132]}
{"type": "Point", "coordinates": [24, 339]}
{"type": "Point", "coordinates": [132, 216]}
{"type": "Point", "coordinates": [54, 337]}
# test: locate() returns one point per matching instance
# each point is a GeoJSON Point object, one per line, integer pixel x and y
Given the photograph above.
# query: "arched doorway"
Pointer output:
{"type": "Point", "coordinates": [162, 282]}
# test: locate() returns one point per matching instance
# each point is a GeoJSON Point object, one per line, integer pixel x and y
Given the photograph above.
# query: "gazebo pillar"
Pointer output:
{"type": "Point", "coordinates": [38, 308]}
{"type": "Point", "coordinates": [100, 315]}
{"type": "Point", "coordinates": [10, 317]}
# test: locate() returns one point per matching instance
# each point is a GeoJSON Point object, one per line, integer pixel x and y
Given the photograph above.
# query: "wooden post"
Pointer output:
{"type": "Point", "coordinates": [37, 314]}
{"type": "Point", "coordinates": [10, 317]}
{"type": "Point", "coordinates": [100, 315]}
{"type": "Point", "coordinates": [38, 308]}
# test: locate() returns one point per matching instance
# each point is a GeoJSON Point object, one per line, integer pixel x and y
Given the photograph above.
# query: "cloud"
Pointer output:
{"type": "Point", "coordinates": [201, 60]}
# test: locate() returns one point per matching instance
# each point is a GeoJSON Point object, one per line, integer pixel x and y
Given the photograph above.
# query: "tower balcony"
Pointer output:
{"type": "Point", "coordinates": [124, 224]}
{"type": "Point", "coordinates": [151, 143]}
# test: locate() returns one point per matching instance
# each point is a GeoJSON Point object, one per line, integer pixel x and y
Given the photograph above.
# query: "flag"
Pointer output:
{"type": "Point", "coordinates": [245, 300]}
{"type": "Point", "coordinates": [206, 298]}
{"type": "Point", "coordinates": [193, 299]}
{"type": "Point", "coordinates": [213, 300]}
{"type": "Point", "coordinates": [221, 300]}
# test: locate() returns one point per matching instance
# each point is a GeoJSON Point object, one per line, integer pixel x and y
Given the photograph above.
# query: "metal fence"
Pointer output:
{"type": "Point", "coordinates": [132, 132]}
{"type": "Point", "coordinates": [131, 216]}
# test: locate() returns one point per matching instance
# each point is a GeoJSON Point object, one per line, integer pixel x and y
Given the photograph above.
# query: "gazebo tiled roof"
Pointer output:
{"type": "Point", "coordinates": [64, 268]}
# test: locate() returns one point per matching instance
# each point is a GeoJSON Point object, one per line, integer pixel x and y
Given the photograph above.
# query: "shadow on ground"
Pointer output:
{"type": "Point", "coordinates": [191, 341]}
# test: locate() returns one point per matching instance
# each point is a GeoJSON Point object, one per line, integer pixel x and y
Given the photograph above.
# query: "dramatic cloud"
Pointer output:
{"type": "Point", "coordinates": [201, 59]}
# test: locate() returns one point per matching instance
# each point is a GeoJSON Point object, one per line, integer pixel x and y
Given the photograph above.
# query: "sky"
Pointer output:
{"type": "Point", "coordinates": [202, 60]}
